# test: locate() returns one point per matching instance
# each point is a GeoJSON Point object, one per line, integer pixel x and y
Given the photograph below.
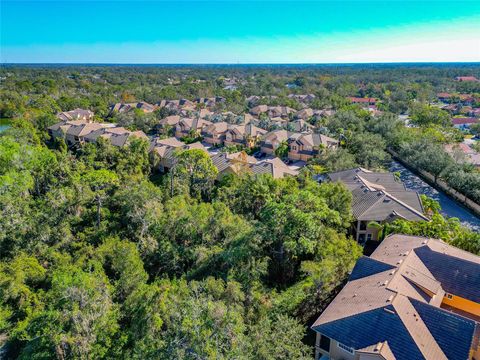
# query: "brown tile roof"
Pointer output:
{"type": "Point", "coordinates": [84, 129]}
{"type": "Point", "coordinates": [392, 291]}
{"type": "Point", "coordinates": [358, 296]}
{"type": "Point", "coordinates": [64, 125]}
{"type": "Point", "coordinates": [315, 140]}
{"type": "Point", "coordinates": [170, 120]}
{"type": "Point", "coordinates": [240, 162]}
{"type": "Point", "coordinates": [76, 114]}
{"type": "Point", "coordinates": [219, 127]}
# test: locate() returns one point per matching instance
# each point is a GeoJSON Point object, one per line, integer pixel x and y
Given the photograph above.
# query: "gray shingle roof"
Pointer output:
{"type": "Point", "coordinates": [379, 196]}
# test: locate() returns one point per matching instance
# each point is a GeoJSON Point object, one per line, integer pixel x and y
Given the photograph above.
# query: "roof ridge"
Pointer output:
{"type": "Point", "coordinates": [370, 185]}
{"type": "Point", "coordinates": [406, 205]}
{"type": "Point", "coordinates": [417, 329]}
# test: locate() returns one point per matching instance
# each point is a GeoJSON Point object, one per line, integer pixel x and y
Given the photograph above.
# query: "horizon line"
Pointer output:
{"type": "Point", "coordinates": [241, 63]}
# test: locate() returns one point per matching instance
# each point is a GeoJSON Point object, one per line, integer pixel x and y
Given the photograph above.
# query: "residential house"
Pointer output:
{"type": "Point", "coordinates": [280, 111]}
{"type": "Point", "coordinates": [377, 198]}
{"type": "Point", "coordinates": [464, 123]}
{"type": "Point", "coordinates": [126, 107]}
{"type": "Point", "coordinates": [274, 139]}
{"type": "Point", "coordinates": [444, 97]}
{"type": "Point", "coordinates": [117, 136]}
{"type": "Point", "coordinates": [466, 78]}
{"type": "Point", "coordinates": [74, 132]}
{"type": "Point", "coordinates": [215, 133]}
{"type": "Point", "coordinates": [203, 113]}
{"type": "Point", "coordinates": [304, 98]}
{"type": "Point", "coordinates": [413, 298]}
{"type": "Point", "coordinates": [252, 100]}
{"type": "Point", "coordinates": [304, 114]}
{"type": "Point", "coordinates": [163, 151]}
{"type": "Point", "coordinates": [362, 101]}
{"type": "Point", "coordinates": [307, 146]}
{"type": "Point", "coordinates": [210, 102]}
{"type": "Point", "coordinates": [453, 109]}
{"type": "Point", "coordinates": [246, 135]}
{"type": "Point", "coordinates": [169, 121]}
{"type": "Point", "coordinates": [186, 105]}
{"type": "Point", "coordinates": [76, 114]}
{"type": "Point", "coordinates": [240, 163]}
{"type": "Point", "coordinates": [188, 127]}
{"type": "Point", "coordinates": [463, 154]}
{"type": "Point", "coordinates": [259, 109]}
{"type": "Point", "coordinates": [300, 126]}
{"type": "Point", "coordinates": [466, 99]}
{"type": "Point", "coordinates": [279, 122]}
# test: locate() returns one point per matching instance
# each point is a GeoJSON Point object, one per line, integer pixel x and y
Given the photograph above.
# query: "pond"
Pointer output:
{"type": "Point", "coordinates": [450, 208]}
{"type": "Point", "coordinates": [4, 124]}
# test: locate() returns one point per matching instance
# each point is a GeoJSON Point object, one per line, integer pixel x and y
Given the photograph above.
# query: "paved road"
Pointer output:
{"type": "Point", "coordinates": [450, 207]}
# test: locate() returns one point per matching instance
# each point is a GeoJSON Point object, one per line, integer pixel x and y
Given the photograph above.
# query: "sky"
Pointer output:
{"type": "Point", "coordinates": [192, 32]}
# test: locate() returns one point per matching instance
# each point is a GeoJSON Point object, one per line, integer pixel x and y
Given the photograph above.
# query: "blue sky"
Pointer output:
{"type": "Point", "coordinates": [239, 31]}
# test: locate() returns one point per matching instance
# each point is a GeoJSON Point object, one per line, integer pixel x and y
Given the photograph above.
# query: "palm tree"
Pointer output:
{"type": "Point", "coordinates": [384, 229]}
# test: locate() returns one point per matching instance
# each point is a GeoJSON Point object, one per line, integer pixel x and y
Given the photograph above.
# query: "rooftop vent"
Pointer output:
{"type": "Point", "coordinates": [389, 311]}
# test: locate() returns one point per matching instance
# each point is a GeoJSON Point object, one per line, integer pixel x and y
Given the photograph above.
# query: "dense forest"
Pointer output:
{"type": "Point", "coordinates": [103, 258]}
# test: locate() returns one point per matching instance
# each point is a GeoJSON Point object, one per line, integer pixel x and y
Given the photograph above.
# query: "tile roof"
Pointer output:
{"type": "Point", "coordinates": [379, 196]}
{"type": "Point", "coordinates": [170, 120]}
{"type": "Point", "coordinates": [118, 136]}
{"type": "Point", "coordinates": [457, 275]}
{"type": "Point", "coordinates": [465, 121]}
{"type": "Point", "coordinates": [438, 322]}
{"type": "Point", "coordinates": [219, 127]}
{"type": "Point", "coordinates": [358, 177]}
{"type": "Point", "coordinates": [241, 162]}
{"type": "Point", "coordinates": [315, 140]}
{"type": "Point", "coordinates": [76, 114]}
{"type": "Point", "coordinates": [367, 266]}
{"type": "Point", "coordinates": [86, 128]}
{"type": "Point", "coordinates": [385, 301]}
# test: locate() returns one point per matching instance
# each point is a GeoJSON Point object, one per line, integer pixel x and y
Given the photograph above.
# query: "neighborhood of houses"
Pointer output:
{"type": "Point", "coordinates": [464, 115]}
{"type": "Point", "coordinates": [412, 298]}
{"type": "Point", "coordinates": [213, 133]}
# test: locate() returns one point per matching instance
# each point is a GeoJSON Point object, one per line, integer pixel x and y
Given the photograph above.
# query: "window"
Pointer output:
{"type": "Point", "coordinates": [363, 225]}
{"type": "Point", "coordinates": [346, 348]}
{"type": "Point", "coordinates": [325, 343]}
{"type": "Point", "coordinates": [369, 237]}
{"type": "Point", "coordinates": [449, 296]}
{"type": "Point", "coordinates": [361, 238]}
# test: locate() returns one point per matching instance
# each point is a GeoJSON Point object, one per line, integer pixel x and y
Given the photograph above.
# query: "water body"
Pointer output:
{"type": "Point", "coordinates": [450, 208]}
{"type": "Point", "coordinates": [4, 125]}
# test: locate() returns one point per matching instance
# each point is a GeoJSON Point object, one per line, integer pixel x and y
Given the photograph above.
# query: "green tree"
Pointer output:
{"type": "Point", "coordinates": [194, 172]}
{"type": "Point", "coordinates": [100, 183]}
{"type": "Point", "coordinates": [282, 150]}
